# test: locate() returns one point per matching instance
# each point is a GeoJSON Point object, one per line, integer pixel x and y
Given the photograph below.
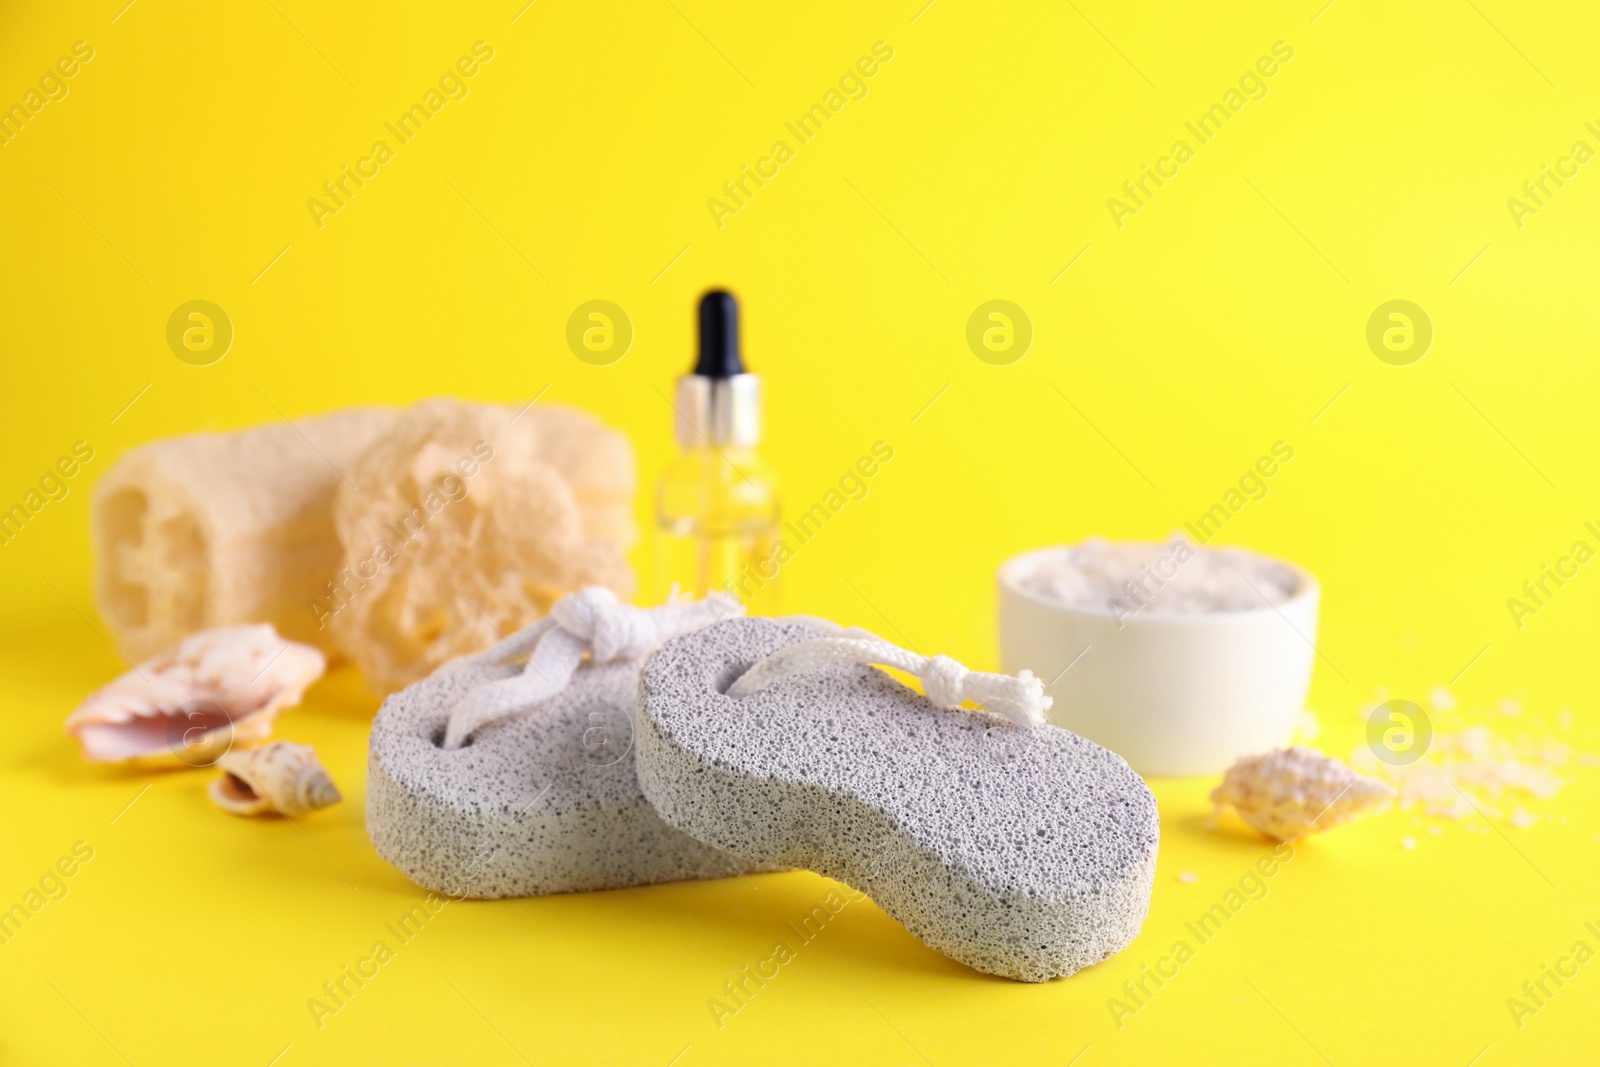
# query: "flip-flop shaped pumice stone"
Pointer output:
{"type": "Point", "coordinates": [1015, 847]}
{"type": "Point", "coordinates": [495, 780]}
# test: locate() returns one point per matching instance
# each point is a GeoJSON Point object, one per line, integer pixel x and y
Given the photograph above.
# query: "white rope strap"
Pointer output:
{"type": "Point", "coordinates": [590, 621]}
{"type": "Point", "coordinates": [947, 683]}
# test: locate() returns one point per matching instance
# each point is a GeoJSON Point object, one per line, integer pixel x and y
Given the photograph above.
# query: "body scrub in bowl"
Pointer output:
{"type": "Point", "coordinates": [1178, 658]}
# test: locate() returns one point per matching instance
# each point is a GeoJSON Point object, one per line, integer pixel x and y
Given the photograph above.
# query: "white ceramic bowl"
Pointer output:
{"type": "Point", "coordinates": [1171, 694]}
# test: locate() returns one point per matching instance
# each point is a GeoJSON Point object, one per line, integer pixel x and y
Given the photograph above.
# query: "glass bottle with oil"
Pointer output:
{"type": "Point", "coordinates": [717, 503]}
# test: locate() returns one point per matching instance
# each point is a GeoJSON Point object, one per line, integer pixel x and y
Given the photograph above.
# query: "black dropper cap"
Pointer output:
{"type": "Point", "coordinates": [719, 336]}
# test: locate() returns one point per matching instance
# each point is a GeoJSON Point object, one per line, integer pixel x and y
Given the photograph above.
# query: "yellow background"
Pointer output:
{"type": "Point", "coordinates": [1223, 317]}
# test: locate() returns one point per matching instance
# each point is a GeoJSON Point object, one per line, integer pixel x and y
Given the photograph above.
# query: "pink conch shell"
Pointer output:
{"type": "Point", "coordinates": [279, 778]}
{"type": "Point", "coordinates": [187, 706]}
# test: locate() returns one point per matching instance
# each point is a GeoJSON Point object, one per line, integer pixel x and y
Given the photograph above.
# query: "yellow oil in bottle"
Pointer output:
{"type": "Point", "coordinates": [717, 514]}
{"type": "Point", "coordinates": [717, 527]}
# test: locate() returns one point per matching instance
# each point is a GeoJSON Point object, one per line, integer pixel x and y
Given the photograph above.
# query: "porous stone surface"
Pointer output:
{"type": "Point", "coordinates": [545, 801]}
{"type": "Point", "coordinates": [1027, 853]}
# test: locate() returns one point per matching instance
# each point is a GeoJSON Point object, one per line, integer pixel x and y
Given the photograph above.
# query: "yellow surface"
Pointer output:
{"type": "Point", "coordinates": [1228, 313]}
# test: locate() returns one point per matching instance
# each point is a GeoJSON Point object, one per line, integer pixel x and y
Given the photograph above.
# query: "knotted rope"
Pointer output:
{"type": "Point", "coordinates": [946, 682]}
{"type": "Point", "coordinates": [590, 621]}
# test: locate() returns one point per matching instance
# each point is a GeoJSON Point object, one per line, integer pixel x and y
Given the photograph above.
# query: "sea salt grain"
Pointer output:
{"type": "Point", "coordinates": [1169, 578]}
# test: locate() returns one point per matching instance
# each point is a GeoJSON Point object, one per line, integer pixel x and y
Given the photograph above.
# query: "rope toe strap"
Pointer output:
{"type": "Point", "coordinates": [946, 682]}
{"type": "Point", "coordinates": [591, 621]}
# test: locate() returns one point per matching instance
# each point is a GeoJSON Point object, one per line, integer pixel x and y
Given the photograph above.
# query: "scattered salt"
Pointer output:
{"type": "Point", "coordinates": [1408, 842]}
{"type": "Point", "coordinates": [1170, 578]}
{"type": "Point", "coordinates": [1554, 752]}
{"type": "Point", "coordinates": [1441, 700]}
{"type": "Point", "coordinates": [1475, 759]}
{"type": "Point", "coordinates": [1521, 818]}
{"type": "Point", "coordinates": [1188, 877]}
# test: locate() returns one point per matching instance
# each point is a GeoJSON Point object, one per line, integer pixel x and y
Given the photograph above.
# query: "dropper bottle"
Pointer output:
{"type": "Point", "coordinates": [717, 503]}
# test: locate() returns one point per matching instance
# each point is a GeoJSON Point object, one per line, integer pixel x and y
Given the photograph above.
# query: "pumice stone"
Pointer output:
{"type": "Point", "coordinates": [493, 779]}
{"type": "Point", "coordinates": [1013, 846]}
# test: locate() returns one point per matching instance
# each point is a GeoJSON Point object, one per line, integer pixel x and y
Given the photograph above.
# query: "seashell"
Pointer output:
{"type": "Point", "coordinates": [280, 778]}
{"type": "Point", "coordinates": [188, 706]}
{"type": "Point", "coordinates": [1290, 792]}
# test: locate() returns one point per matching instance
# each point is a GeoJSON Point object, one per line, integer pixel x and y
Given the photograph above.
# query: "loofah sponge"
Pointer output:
{"type": "Point", "coordinates": [466, 522]}
{"type": "Point", "coordinates": [1022, 852]}
{"type": "Point", "coordinates": [542, 802]}
{"type": "Point", "coordinates": [210, 530]}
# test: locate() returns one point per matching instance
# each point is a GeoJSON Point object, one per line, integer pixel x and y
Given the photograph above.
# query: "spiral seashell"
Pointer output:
{"type": "Point", "coordinates": [280, 778]}
{"type": "Point", "coordinates": [1291, 792]}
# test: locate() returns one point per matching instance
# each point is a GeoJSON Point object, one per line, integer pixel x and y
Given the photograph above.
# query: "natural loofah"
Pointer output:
{"type": "Point", "coordinates": [1021, 851]}
{"type": "Point", "coordinates": [466, 522]}
{"type": "Point", "coordinates": [211, 529]}
{"type": "Point", "coordinates": [545, 801]}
